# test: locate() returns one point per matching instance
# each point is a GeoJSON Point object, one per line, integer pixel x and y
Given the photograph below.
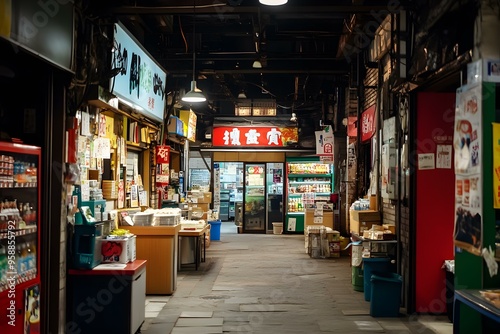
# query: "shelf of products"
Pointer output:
{"type": "Point", "coordinates": [308, 182]}
{"type": "Point", "coordinates": [19, 230]}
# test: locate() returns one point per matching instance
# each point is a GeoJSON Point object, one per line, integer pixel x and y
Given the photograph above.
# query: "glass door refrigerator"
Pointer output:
{"type": "Point", "coordinates": [19, 238]}
{"type": "Point", "coordinates": [274, 181]}
{"type": "Point", "coordinates": [308, 181]}
{"type": "Point", "coordinates": [254, 198]}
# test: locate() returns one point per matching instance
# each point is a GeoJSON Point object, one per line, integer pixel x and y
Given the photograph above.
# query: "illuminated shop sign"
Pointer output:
{"type": "Point", "coordinates": [140, 81]}
{"type": "Point", "coordinates": [269, 136]}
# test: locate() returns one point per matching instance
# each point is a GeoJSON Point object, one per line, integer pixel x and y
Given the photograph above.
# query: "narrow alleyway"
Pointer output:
{"type": "Point", "coordinates": [254, 283]}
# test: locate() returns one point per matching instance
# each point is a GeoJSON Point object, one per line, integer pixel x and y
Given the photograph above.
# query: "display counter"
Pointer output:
{"type": "Point", "coordinates": [474, 300]}
{"type": "Point", "coordinates": [158, 245]}
{"type": "Point", "coordinates": [109, 298]}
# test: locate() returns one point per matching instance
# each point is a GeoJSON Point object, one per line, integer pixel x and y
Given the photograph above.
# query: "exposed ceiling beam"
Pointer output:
{"type": "Point", "coordinates": [218, 8]}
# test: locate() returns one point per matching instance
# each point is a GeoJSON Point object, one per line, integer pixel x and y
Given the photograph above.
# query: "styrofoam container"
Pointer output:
{"type": "Point", "coordinates": [118, 250]}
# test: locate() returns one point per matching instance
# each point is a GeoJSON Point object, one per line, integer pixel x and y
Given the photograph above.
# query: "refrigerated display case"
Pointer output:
{"type": "Point", "coordinates": [20, 227]}
{"type": "Point", "coordinates": [308, 181]}
{"type": "Point", "coordinates": [254, 200]}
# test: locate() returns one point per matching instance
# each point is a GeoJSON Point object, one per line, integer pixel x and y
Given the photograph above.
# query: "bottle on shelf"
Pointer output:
{"type": "Point", "coordinates": [30, 255]}
{"type": "Point", "coordinates": [3, 264]}
{"type": "Point", "coordinates": [20, 258]}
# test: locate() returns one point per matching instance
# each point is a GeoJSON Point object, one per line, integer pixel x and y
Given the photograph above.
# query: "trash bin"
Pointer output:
{"type": "Point", "coordinates": [385, 294]}
{"type": "Point", "coordinates": [449, 266]}
{"type": "Point", "coordinates": [356, 267]}
{"type": "Point", "coordinates": [214, 230]}
{"type": "Point", "coordinates": [372, 264]}
{"type": "Point", "coordinates": [277, 227]}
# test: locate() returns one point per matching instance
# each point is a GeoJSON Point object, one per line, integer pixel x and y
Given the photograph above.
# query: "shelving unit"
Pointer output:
{"type": "Point", "coordinates": [308, 181]}
{"type": "Point", "coordinates": [20, 229]}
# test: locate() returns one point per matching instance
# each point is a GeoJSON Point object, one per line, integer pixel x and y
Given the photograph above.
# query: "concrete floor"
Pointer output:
{"type": "Point", "coordinates": [254, 283]}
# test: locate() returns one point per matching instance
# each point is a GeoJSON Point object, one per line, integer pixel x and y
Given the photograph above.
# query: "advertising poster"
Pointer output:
{"type": "Point", "coordinates": [32, 312]}
{"type": "Point", "coordinates": [467, 142]}
{"type": "Point", "coordinates": [496, 165]}
{"type": "Point", "coordinates": [324, 142]}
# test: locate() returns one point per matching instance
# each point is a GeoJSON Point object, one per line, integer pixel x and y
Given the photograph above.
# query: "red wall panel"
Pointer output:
{"type": "Point", "coordinates": [435, 201]}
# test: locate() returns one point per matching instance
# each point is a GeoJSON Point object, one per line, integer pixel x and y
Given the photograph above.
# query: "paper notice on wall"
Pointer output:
{"type": "Point", "coordinates": [102, 148]}
{"type": "Point", "coordinates": [292, 223]}
{"type": "Point", "coordinates": [496, 165]}
{"type": "Point", "coordinates": [426, 161]}
{"type": "Point", "coordinates": [85, 124]}
{"type": "Point", "coordinates": [443, 156]}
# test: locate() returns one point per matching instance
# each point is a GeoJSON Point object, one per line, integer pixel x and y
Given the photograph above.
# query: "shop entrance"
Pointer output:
{"type": "Point", "coordinates": [250, 194]}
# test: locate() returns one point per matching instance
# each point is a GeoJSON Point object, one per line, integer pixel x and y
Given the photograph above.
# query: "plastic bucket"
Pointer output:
{"type": "Point", "coordinates": [385, 294]}
{"type": "Point", "coordinates": [379, 264]}
{"type": "Point", "coordinates": [277, 228]}
{"type": "Point", "coordinates": [215, 230]}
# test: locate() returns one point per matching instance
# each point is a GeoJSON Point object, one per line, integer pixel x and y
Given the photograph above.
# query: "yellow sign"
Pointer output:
{"type": "Point", "coordinates": [496, 165]}
{"type": "Point", "coordinates": [5, 17]}
{"type": "Point", "coordinates": [189, 118]}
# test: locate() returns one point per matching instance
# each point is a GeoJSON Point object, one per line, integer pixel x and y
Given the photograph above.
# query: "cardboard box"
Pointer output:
{"type": "Point", "coordinates": [325, 220]}
{"type": "Point", "coordinates": [361, 220]}
{"type": "Point", "coordinates": [199, 197]}
{"type": "Point", "coordinates": [203, 206]}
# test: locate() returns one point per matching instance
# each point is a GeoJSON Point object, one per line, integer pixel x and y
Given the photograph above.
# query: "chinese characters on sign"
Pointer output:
{"type": "Point", "coordinates": [368, 123]}
{"type": "Point", "coordinates": [254, 136]}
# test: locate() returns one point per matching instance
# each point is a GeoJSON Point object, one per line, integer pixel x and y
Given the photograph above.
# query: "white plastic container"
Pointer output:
{"type": "Point", "coordinates": [277, 228]}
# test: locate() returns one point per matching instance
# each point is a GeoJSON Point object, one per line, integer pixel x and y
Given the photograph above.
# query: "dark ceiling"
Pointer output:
{"type": "Point", "coordinates": [307, 48]}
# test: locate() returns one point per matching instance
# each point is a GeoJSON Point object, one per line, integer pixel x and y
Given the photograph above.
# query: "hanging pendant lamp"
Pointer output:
{"type": "Point", "coordinates": [273, 2]}
{"type": "Point", "coordinates": [194, 95]}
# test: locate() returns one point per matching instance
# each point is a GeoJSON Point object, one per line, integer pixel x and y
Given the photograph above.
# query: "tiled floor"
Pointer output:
{"type": "Point", "coordinates": [254, 283]}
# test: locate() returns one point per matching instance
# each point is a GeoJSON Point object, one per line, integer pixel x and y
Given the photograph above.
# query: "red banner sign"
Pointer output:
{"type": "Point", "coordinates": [254, 136]}
{"type": "Point", "coordinates": [368, 123]}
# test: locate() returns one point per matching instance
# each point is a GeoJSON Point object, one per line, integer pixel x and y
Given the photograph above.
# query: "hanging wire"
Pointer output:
{"type": "Point", "coordinates": [194, 37]}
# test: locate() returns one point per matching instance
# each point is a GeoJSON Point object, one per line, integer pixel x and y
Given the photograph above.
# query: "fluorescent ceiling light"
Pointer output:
{"type": "Point", "coordinates": [194, 95]}
{"type": "Point", "coordinates": [273, 2]}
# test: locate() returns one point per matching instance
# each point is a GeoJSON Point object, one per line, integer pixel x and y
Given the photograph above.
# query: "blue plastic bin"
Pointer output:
{"type": "Point", "coordinates": [385, 294]}
{"type": "Point", "coordinates": [214, 230]}
{"type": "Point", "coordinates": [371, 264]}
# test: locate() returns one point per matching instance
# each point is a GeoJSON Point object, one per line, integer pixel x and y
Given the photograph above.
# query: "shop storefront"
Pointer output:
{"type": "Point", "coordinates": [34, 77]}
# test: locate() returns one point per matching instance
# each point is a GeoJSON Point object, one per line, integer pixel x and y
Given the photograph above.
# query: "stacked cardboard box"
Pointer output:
{"type": "Point", "coordinates": [316, 220]}
{"type": "Point", "coordinates": [361, 220]}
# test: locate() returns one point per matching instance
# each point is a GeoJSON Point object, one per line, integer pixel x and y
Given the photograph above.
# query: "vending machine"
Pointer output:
{"type": "Point", "coordinates": [254, 198]}
{"type": "Point", "coordinates": [309, 181]}
{"type": "Point", "coordinates": [20, 228]}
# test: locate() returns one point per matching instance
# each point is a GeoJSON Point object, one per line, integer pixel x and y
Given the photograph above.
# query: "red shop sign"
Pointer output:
{"type": "Point", "coordinates": [253, 136]}
{"type": "Point", "coordinates": [368, 123]}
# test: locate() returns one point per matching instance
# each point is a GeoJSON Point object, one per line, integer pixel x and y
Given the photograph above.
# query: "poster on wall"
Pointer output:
{"type": "Point", "coordinates": [216, 171]}
{"type": "Point", "coordinates": [496, 165]}
{"type": "Point", "coordinates": [467, 142]}
{"type": "Point", "coordinates": [32, 312]}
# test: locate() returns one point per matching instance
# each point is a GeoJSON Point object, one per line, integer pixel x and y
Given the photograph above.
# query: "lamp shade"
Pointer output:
{"type": "Point", "coordinates": [273, 2]}
{"type": "Point", "coordinates": [257, 64]}
{"type": "Point", "coordinates": [194, 95]}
